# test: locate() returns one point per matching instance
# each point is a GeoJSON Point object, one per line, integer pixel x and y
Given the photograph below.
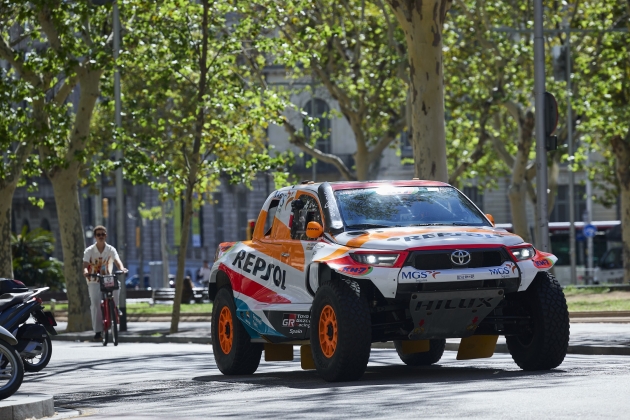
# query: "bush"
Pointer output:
{"type": "Point", "coordinates": [32, 263]}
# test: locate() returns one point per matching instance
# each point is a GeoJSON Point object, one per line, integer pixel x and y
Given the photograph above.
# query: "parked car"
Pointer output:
{"type": "Point", "coordinates": [610, 268]}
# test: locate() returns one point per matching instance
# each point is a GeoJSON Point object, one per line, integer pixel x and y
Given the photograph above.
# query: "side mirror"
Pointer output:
{"type": "Point", "coordinates": [314, 230]}
{"type": "Point", "coordinates": [489, 216]}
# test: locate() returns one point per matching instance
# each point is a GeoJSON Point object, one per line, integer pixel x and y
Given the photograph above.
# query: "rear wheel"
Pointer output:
{"type": "Point", "coordinates": [341, 332]}
{"type": "Point", "coordinates": [436, 350]}
{"type": "Point", "coordinates": [39, 362]}
{"type": "Point", "coordinates": [113, 321]}
{"type": "Point", "coordinates": [11, 370]}
{"type": "Point", "coordinates": [545, 344]}
{"type": "Point", "coordinates": [233, 350]}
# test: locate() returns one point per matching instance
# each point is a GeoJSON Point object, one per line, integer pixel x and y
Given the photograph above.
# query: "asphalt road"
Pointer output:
{"type": "Point", "coordinates": [142, 381]}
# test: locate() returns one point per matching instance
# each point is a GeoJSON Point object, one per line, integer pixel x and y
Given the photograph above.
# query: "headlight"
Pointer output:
{"type": "Point", "coordinates": [385, 260]}
{"type": "Point", "coordinates": [523, 253]}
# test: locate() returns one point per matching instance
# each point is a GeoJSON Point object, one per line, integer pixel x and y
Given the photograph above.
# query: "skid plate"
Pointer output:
{"type": "Point", "coordinates": [451, 314]}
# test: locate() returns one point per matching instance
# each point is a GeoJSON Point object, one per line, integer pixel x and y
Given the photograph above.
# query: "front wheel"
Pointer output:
{"type": "Point", "coordinates": [233, 350]}
{"type": "Point", "coordinates": [341, 331]}
{"type": "Point", "coordinates": [113, 321]}
{"type": "Point", "coordinates": [105, 333]}
{"type": "Point", "coordinates": [11, 370]}
{"type": "Point", "coordinates": [39, 362]}
{"type": "Point", "coordinates": [544, 345]}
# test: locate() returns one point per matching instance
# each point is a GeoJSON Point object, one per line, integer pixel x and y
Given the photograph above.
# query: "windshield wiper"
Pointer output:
{"type": "Point", "coordinates": [443, 224]}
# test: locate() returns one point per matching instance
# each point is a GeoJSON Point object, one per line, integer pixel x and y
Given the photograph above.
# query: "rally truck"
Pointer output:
{"type": "Point", "coordinates": [334, 267]}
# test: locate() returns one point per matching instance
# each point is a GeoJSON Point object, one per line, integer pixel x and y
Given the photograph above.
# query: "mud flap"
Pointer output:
{"type": "Point", "coordinates": [451, 314]}
{"type": "Point", "coordinates": [278, 352]}
{"type": "Point", "coordinates": [415, 346]}
{"type": "Point", "coordinates": [477, 347]}
{"type": "Point", "coordinates": [306, 358]}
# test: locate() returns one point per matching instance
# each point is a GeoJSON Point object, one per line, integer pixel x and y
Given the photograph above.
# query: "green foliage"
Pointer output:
{"type": "Point", "coordinates": [32, 263]}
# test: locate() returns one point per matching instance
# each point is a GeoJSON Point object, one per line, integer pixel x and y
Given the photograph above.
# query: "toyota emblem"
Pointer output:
{"type": "Point", "coordinates": [459, 257]}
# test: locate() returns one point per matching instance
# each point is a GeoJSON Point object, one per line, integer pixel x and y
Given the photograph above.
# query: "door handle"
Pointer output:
{"type": "Point", "coordinates": [285, 254]}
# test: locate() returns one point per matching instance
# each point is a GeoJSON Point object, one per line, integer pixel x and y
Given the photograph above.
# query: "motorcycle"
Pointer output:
{"type": "Point", "coordinates": [11, 367]}
{"type": "Point", "coordinates": [17, 305]}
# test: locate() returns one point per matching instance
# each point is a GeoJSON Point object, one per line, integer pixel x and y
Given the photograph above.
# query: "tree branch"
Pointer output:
{"type": "Point", "coordinates": [9, 54]}
{"type": "Point", "coordinates": [298, 140]}
{"type": "Point", "coordinates": [44, 16]}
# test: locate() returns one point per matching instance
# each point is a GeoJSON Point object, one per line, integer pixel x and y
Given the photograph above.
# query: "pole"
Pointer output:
{"type": "Point", "coordinates": [571, 162]}
{"type": "Point", "coordinates": [588, 220]}
{"type": "Point", "coordinates": [541, 150]}
{"type": "Point", "coordinates": [120, 196]}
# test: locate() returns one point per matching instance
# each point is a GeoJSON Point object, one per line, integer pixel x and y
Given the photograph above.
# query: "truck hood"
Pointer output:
{"type": "Point", "coordinates": [401, 238]}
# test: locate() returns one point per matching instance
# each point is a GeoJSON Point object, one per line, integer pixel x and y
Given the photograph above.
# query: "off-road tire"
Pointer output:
{"type": "Point", "coordinates": [354, 333]}
{"type": "Point", "coordinates": [243, 357]}
{"type": "Point", "coordinates": [43, 362]}
{"type": "Point", "coordinates": [546, 347]}
{"type": "Point", "coordinates": [11, 355]}
{"type": "Point", "coordinates": [436, 350]}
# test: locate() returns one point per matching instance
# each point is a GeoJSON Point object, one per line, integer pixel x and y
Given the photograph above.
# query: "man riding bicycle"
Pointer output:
{"type": "Point", "coordinates": [99, 259]}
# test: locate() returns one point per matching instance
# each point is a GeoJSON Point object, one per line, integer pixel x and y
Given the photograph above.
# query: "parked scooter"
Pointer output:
{"type": "Point", "coordinates": [17, 305]}
{"type": "Point", "coordinates": [11, 367]}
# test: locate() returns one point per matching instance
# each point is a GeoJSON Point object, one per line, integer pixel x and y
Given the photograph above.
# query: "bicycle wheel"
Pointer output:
{"type": "Point", "coordinates": [105, 333]}
{"type": "Point", "coordinates": [113, 321]}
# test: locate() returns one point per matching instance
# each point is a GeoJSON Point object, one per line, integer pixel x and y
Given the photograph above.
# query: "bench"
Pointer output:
{"type": "Point", "coordinates": [168, 295]}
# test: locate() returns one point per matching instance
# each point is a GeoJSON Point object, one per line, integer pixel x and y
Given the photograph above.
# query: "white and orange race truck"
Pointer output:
{"type": "Point", "coordinates": [335, 267]}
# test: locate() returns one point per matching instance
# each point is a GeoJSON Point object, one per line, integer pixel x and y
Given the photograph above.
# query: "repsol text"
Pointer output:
{"type": "Point", "coordinates": [260, 268]}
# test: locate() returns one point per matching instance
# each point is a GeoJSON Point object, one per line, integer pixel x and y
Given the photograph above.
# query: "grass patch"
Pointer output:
{"type": "Point", "coordinates": [602, 305]}
{"type": "Point", "coordinates": [573, 291]}
{"type": "Point", "coordinates": [146, 308]}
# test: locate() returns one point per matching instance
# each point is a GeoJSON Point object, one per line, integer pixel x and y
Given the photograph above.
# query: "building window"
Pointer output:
{"type": "Point", "coordinates": [218, 218]}
{"type": "Point", "coordinates": [318, 108]}
{"type": "Point", "coordinates": [475, 196]}
{"type": "Point", "coordinates": [241, 214]}
{"type": "Point", "coordinates": [560, 211]}
{"type": "Point", "coordinates": [45, 224]}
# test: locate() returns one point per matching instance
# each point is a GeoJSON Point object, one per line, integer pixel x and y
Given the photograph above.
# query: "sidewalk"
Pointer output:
{"type": "Point", "coordinates": [590, 337]}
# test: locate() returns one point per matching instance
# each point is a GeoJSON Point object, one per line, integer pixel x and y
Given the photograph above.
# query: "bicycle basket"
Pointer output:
{"type": "Point", "coordinates": [109, 284]}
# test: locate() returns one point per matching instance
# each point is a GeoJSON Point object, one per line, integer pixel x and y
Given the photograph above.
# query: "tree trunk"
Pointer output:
{"type": "Point", "coordinates": [65, 185]}
{"type": "Point", "coordinates": [361, 163]}
{"type": "Point", "coordinates": [517, 194]}
{"type": "Point", "coordinates": [194, 160]}
{"type": "Point", "coordinates": [621, 148]}
{"type": "Point", "coordinates": [422, 22]}
{"type": "Point", "coordinates": [6, 262]}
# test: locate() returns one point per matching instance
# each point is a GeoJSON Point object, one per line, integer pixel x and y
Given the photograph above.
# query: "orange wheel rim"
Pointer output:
{"type": "Point", "coordinates": [226, 330]}
{"type": "Point", "coordinates": [328, 331]}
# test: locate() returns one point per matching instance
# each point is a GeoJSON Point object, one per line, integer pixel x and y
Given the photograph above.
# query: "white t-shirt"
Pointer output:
{"type": "Point", "coordinates": [205, 274]}
{"type": "Point", "coordinates": [100, 262]}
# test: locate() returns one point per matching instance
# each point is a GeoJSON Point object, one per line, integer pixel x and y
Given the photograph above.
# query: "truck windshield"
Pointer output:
{"type": "Point", "coordinates": [391, 206]}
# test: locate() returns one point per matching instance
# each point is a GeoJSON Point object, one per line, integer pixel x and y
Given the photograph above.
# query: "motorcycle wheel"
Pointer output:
{"type": "Point", "coordinates": [37, 363]}
{"type": "Point", "coordinates": [11, 370]}
{"type": "Point", "coordinates": [113, 321]}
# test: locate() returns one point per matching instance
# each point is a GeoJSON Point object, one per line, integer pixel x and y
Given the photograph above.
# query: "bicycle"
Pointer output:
{"type": "Point", "coordinates": [109, 283]}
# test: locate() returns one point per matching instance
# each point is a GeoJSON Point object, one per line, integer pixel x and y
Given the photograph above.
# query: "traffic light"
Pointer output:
{"type": "Point", "coordinates": [251, 224]}
{"type": "Point", "coordinates": [559, 59]}
{"type": "Point", "coordinates": [105, 208]}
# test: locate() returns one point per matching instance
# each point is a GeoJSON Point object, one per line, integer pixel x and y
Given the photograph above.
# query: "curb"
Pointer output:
{"type": "Point", "coordinates": [500, 348]}
{"type": "Point", "coordinates": [21, 406]}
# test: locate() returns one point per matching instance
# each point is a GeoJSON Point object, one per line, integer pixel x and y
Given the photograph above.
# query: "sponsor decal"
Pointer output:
{"type": "Point", "coordinates": [310, 246]}
{"type": "Point", "coordinates": [419, 275]}
{"type": "Point", "coordinates": [542, 263]}
{"type": "Point", "coordinates": [465, 276]}
{"type": "Point", "coordinates": [296, 321]}
{"type": "Point", "coordinates": [356, 271]}
{"type": "Point", "coordinates": [504, 271]}
{"type": "Point", "coordinates": [446, 234]}
{"type": "Point", "coordinates": [260, 268]}
{"type": "Point", "coordinates": [452, 304]}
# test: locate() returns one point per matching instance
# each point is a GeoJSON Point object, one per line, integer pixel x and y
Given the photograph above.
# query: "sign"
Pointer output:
{"type": "Point", "coordinates": [589, 231]}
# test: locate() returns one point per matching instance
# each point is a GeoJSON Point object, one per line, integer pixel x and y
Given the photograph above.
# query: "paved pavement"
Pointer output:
{"type": "Point", "coordinates": [167, 381]}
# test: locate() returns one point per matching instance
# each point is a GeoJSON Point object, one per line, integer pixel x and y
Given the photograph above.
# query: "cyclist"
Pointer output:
{"type": "Point", "coordinates": [99, 259]}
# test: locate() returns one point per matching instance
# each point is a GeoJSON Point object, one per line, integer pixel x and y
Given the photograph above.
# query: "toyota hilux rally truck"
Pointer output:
{"type": "Point", "coordinates": [334, 267]}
